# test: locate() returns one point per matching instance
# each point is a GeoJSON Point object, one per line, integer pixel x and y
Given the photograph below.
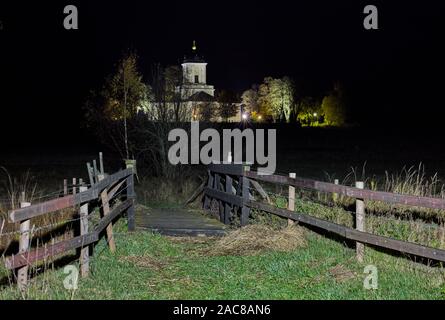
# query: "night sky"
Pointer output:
{"type": "Point", "coordinates": [393, 75]}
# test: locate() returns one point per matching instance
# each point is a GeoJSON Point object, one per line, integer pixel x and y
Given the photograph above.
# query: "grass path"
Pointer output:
{"type": "Point", "coordinates": [149, 266]}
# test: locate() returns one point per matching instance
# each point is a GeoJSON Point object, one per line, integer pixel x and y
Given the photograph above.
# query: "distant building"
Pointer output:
{"type": "Point", "coordinates": [194, 76]}
{"type": "Point", "coordinates": [196, 96]}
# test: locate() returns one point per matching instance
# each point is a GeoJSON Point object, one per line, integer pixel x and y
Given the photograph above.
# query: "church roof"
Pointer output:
{"type": "Point", "coordinates": [201, 96]}
{"type": "Point", "coordinates": [194, 57]}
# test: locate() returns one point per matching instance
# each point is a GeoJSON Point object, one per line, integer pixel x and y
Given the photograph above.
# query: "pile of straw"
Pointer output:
{"type": "Point", "coordinates": [254, 239]}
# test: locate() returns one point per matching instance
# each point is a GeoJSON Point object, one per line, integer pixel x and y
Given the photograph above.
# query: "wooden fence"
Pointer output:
{"type": "Point", "coordinates": [229, 185]}
{"type": "Point", "coordinates": [113, 194]}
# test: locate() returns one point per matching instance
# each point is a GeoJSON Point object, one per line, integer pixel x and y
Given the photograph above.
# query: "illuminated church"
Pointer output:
{"type": "Point", "coordinates": [194, 91]}
{"type": "Point", "coordinates": [194, 77]}
{"type": "Point", "coordinates": [196, 98]}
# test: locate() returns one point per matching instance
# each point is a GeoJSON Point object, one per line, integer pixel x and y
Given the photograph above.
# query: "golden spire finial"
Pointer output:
{"type": "Point", "coordinates": [194, 45]}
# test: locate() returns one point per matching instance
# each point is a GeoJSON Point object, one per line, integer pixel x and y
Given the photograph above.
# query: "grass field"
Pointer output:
{"type": "Point", "coordinates": [150, 266]}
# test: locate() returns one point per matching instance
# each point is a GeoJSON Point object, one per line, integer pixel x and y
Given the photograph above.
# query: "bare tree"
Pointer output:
{"type": "Point", "coordinates": [165, 111]}
{"type": "Point", "coordinates": [110, 109]}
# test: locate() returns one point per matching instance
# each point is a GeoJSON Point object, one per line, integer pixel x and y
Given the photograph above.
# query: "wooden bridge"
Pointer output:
{"type": "Point", "coordinates": [178, 222]}
{"type": "Point", "coordinates": [235, 190]}
{"type": "Point", "coordinates": [231, 192]}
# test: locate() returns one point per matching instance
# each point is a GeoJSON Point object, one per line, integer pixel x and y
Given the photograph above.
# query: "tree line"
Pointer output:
{"type": "Point", "coordinates": [135, 116]}
{"type": "Point", "coordinates": [278, 100]}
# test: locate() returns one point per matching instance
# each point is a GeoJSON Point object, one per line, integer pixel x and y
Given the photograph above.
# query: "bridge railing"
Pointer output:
{"type": "Point", "coordinates": [229, 185]}
{"type": "Point", "coordinates": [112, 195]}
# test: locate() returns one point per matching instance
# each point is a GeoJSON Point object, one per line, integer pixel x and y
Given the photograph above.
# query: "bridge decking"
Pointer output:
{"type": "Point", "coordinates": [178, 222]}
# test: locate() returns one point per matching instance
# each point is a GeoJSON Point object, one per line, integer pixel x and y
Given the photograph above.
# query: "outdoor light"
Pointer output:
{"type": "Point", "coordinates": [315, 114]}
{"type": "Point", "coordinates": [244, 116]}
{"type": "Point", "coordinates": [259, 117]}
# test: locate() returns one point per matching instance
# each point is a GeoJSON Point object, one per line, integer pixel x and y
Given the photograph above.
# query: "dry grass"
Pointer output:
{"type": "Point", "coordinates": [146, 262]}
{"type": "Point", "coordinates": [410, 181]}
{"type": "Point", "coordinates": [191, 240]}
{"type": "Point", "coordinates": [341, 273]}
{"type": "Point", "coordinates": [420, 225]}
{"type": "Point", "coordinates": [45, 228]}
{"type": "Point", "coordinates": [254, 239]}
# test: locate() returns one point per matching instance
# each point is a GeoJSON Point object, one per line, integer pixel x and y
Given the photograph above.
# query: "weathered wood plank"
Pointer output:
{"type": "Point", "coordinates": [34, 255]}
{"type": "Point", "coordinates": [109, 217]}
{"type": "Point", "coordinates": [106, 212]}
{"type": "Point", "coordinates": [24, 243]}
{"type": "Point", "coordinates": [178, 222]}
{"type": "Point", "coordinates": [291, 200]}
{"type": "Point", "coordinates": [245, 211]}
{"type": "Point", "coordinates": [304, 218]}
{"type": "Point", "coordinates": [113, 190]}
{"type": "Point", "coordinates": [227, 206]}
{"type": "Point", "coordinates": [260, 190]}
{"type": "Point", "coordinates": [395, 198]}
{"type": "Point", "coordinates": [207, 199]}
{"type": "Point", "coordinates": [397, 245]}
{"type": "Point", "coordinates": [348, 233]}
{"type": "Point", "coordinates": [232, 169]}
{"type": "Point", "coordinates": [220, 195]}
{"type": "Point", "coordinates": [85, 251]}
{"type": "Point", "coordinates": [131, 195]}
{"type": "Point", "coordinates": [219, 187]}
{"type": "Point", "coordinates": [68, 201]}
{"type": "Point", "coordinates": [360, 222]}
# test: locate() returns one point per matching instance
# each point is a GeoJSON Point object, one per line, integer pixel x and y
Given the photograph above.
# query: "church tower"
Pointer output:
{"type": "Point", "coordinates": [194, 76]}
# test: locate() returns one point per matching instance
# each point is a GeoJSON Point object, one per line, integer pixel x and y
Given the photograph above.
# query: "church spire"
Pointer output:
{"type": "Point", "coordinates": [193, 56]}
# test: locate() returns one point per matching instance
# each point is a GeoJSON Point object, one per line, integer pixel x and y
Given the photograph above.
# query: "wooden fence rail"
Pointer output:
{"type": "Point", "coordinates": [352, 192]}
{"type": "Point", "coordinates": [70, 200]}
{"type": "Point", "coordinates": [38, 254]}
{"type": "Point", "coordinates": [103, 190]}
{"type": "Point", "coordinates": [244, 201]}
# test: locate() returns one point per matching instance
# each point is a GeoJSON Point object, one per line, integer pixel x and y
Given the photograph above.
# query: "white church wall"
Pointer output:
{"type": "Point", "coordinates": [190, 70]}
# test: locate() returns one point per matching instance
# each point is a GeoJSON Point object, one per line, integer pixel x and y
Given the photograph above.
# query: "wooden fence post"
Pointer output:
{"type": "Point", "coordinates": [227, 208]}
{"type": "Point", "coordinates": [360, 221]}
{"type": "Point", "coordinates": [84, 252]}
{"type": "Point", "coordinates": [207, 199]}
{"type": "Point", "coordinates": [101, 163]}
{"type": "Point", "coordinates": [22, 273]}
{"type": "Point", "coordinates": [96, 172]}
{"type": "Point", "coordinates": [219, 187]}
{"type": "Point", "coordinates": [65, 187]}
{"type": "Point", "coordinates": [291, 202]}
{"type": "Point", "coordinates": [335, 195]}
{"type": "Point", "coordinates": [228, 189]}
{"type": "Point", "coordinates": [74, 185]}
{"type": "Point", "coordinates": [106, 211]}
{"type": "Point", "coordinates": [245, 210]}
{"type": "Point", "coordinates": [90, 173]}
{"type": "Point", "coordinates": [131, 195]}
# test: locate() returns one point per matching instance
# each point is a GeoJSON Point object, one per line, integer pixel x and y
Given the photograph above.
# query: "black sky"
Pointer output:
{"type": "Point", "coordinates": [394, 74]}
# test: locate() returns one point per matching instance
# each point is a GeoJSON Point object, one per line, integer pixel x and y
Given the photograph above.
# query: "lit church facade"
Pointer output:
{"type": "Point", "coordinates": [194, 77]}
{"type": "Point", "coordinates": [194, 92]}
